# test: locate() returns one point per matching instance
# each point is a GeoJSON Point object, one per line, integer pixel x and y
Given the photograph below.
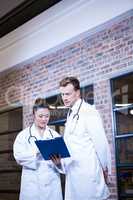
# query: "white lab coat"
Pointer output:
{"type": "Point", "coordinates": [90, 154]}
{"type": "Point", "coordinates": [40, 179]}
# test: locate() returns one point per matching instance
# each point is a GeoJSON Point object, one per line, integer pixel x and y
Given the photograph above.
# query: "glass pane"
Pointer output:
{"type": "Point", "coordinates": [61, 129]}
{"type": "Point", "coordinates": [58, 114]}
{"type": "Point", "coordinates": [87, 94]}
{"type": "Point", "coordinates": [124, 147]}
{"type": "Point", "coordinates": [124, 121]}
{"type": "Point", "coordinates": [123, 90]}
{"type": "Point", "coordinates": [57, 109]}
{"type": "Point", "coordinates": [131, 198]}
{"type": "Point", "coordinates": [125, 177]}
{"type": "Point", "coordinates": [125, 198]}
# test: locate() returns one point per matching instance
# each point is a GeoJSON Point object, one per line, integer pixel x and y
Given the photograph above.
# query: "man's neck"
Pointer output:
{"type": "Point", "coordinates": [75, 102]}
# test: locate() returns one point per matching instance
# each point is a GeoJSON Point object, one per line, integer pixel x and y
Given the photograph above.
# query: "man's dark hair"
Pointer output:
{"type": "Point", "coordinates": [70, 80]}
{"type": "Point", "coordinates": [40, 103]}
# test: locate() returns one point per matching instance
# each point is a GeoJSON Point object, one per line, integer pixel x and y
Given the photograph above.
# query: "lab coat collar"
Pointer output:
{"type": "Point", "coordinates": [35, 132]}
{"type": "Point", "coordinates": [76, 105]}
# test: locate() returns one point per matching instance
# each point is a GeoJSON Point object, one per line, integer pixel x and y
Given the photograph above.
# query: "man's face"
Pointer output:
{"type": "Point", "coordinates": [69, 95]}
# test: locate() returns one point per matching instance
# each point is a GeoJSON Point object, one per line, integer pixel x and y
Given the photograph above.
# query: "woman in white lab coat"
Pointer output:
{"type": "Point", "coordinates": [40, 179]}
{"type": "Point", "coordinates": [90, 163]}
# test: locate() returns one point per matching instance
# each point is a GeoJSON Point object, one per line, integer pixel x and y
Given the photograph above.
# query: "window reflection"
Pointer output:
{"type": "Point", "coordinates": [124, 121]}
{"type": "Point", "coordinates": [123, 90]}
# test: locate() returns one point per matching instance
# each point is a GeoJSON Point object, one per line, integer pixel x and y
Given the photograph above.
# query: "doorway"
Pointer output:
{"type": "Point", "coordinates": [10, 172]}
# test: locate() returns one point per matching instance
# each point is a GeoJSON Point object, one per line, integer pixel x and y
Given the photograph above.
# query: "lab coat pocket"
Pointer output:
{"type": "Point", "coordinates": [49, 178]}
{"type": "Point", "coordinates": [28, 180]}
{"type": "Point", "coordinates": [79, 128]}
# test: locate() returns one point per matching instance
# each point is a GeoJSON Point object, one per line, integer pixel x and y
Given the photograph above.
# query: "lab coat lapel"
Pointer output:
{"type": "Point", "coordinates": [71, 120]}
{"type": "Point", "coordinates": [34, 132]}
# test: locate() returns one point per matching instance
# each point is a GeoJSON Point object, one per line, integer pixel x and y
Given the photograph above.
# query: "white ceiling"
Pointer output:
{"type": "Point", "coordinates": [7, 5]}
{"type": "Point", "coordinates": [59, 25]}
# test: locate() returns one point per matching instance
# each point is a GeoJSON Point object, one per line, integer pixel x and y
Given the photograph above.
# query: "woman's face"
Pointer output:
{"type": "Point", "coordinates": [41, 117]}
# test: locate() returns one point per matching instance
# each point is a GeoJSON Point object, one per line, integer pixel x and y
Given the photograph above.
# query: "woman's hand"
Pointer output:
{"type": "Point", "coordinates": [56, 159]}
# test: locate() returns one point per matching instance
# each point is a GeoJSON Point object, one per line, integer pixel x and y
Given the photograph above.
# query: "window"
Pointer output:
{"type": "Point", "coordinates": [122, 98]}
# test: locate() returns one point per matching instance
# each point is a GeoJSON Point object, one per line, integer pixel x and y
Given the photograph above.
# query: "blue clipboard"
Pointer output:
{"type": "Point", "coordinates": [51, 147]}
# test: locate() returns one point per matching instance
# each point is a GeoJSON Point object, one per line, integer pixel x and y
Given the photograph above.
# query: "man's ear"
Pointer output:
{"type": "Point", "coordinates": [78, 93]}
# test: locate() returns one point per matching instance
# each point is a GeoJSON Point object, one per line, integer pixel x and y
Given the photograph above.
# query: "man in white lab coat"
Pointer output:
{"type": "Point", "coordinates": [90, 164]}
{"type": "Point", "coordinates": [40, 179]}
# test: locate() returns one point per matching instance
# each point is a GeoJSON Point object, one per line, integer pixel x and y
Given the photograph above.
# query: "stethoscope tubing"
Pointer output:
{"type": "Point", "coordinates": [77, 113]}
{"type": "Point", "coordinates": [32, 136]}
{"type": "Point", "coordinates": [75, 118]}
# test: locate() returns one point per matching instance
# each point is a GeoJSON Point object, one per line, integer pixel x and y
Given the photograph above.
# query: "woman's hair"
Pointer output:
{"type": "Point", "coordinates": [70, 80]}
{"type": "Point", "coordinates": [40, 103]}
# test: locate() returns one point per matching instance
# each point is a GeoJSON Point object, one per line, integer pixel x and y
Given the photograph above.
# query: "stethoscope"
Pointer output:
{"type": "Point", "coordinates": [75, 117]}
{"type": "Point", "coordinates": [32, 137]}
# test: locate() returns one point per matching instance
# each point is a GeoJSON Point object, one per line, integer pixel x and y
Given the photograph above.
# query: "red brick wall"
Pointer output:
{"type": "Point", "coordinates": [93, 59]}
